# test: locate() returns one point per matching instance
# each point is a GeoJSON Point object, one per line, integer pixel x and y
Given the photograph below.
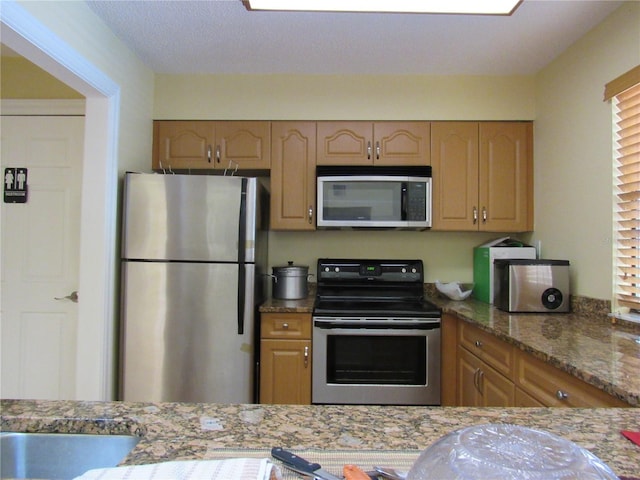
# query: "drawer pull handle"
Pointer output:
{"type": "Point", "coordinates": [306, 357]}
{"type": "Point", "coordinates": [560, 395]}
{"type": "Point", "coordinates": [478, 343]}
{"type": "Point", "coordinates": [285, 326]}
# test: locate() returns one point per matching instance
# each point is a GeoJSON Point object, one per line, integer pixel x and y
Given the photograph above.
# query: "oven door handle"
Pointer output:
{"type": "Point", "coordinates": [376, 325]}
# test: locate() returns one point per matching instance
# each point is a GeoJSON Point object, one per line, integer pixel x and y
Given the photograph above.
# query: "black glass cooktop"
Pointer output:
{"type": "Point", "coordinates": [372, 308]}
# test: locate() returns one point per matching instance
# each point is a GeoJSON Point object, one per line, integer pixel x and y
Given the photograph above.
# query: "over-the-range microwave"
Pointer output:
{"type": "Point", "coordinates": [374, 197]}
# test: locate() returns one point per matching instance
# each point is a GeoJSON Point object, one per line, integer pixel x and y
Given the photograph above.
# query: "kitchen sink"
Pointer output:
{"type": "Point", "coordinates": [60, 455]}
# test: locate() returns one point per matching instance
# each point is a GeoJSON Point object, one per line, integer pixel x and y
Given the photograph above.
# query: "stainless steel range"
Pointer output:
{"type": "Point", "coordinates": [376, 340]}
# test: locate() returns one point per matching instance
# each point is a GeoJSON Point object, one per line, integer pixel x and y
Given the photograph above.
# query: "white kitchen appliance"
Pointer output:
{"type": "Point", "coordinates": [193, 274]}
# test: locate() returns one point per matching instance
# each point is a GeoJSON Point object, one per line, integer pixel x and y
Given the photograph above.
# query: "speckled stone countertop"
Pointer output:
{"type": "Point", "coordinates": [584, 344]}
{"type": "Point", "coordinates": [183, 431]}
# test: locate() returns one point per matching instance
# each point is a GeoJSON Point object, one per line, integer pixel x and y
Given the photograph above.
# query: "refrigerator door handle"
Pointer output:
{"type": "Point", "coordinates": [241, 297]}
{"type": "Point", "coordinates": [246, 283]}
{"type": "Point", "coordinates": [242, 241]}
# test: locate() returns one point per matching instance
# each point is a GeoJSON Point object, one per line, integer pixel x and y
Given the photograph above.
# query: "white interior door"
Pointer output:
{"type": "Point", "coordinates": [40, 257]}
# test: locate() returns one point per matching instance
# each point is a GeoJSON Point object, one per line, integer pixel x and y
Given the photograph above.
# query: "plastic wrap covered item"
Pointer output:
{"type": "Point", "coordinates": [507, 452]}
{"type": "Point", "coordinates": [455, 290]}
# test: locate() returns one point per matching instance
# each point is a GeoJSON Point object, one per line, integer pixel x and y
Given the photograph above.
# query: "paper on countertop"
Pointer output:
{"type": "Point", "coordinates": [229, 469]}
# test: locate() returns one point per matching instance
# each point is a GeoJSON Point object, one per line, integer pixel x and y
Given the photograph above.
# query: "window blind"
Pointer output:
{"type": "Point", "coordinates": [627, 188]}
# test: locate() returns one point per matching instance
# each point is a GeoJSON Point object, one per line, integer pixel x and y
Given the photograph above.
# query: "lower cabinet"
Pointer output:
{"type": "Point", "coordinates": [285, 358]}
{"type": "Point", "coordinates": [481, 385]}
{"type": "Point", "coordinates": [554, 388]}
{"type": "Point", "coordinates": [494, 373]}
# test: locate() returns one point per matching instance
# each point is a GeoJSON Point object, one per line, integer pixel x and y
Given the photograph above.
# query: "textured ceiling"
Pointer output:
{"type": "Point", "coordinates": [223, 37]}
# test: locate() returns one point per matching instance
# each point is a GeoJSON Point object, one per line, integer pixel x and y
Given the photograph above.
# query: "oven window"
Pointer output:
{"type": "Point", "coordinates": [363, 359]}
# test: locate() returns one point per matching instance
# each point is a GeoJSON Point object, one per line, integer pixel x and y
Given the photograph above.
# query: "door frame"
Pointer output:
{"type": "Point", "coordinates": [96, 352]}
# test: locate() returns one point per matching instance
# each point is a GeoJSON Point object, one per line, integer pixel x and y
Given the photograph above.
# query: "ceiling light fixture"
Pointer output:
{"type": "Point", "coordinates": [470, 7]}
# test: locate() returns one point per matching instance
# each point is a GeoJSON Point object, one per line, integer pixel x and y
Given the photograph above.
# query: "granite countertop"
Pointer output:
{"type": "Point", "coordinates": [584, 344]}
{"type": "Point", "coordinates": [183, 431]}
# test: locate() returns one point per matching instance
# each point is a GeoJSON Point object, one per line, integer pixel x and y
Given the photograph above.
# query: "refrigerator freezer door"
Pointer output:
{"type": "Point", "coordinates": [180, 333]}
{"type": "Point", "coordinates": [188, 218]}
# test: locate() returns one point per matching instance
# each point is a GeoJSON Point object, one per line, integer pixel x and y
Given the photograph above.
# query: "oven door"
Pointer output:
{"type": "Point", "coordinates": [376, 361]}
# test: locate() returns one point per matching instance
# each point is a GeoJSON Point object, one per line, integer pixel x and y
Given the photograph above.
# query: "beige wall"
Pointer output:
{"type": "Point", "coordinates": [447, 256]}
{"type": "Point", "coordinates": [21, 79]}
{"type": "Point", "coordinates": [77, 25]}
{"type": "Point", "coordinates": [333, 97]}
{"type": "Point", "coordinates": [573, 150]}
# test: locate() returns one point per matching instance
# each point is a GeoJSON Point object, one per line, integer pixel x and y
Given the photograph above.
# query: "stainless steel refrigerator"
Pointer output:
{"type": "Point", "coordinates": [193, 274]}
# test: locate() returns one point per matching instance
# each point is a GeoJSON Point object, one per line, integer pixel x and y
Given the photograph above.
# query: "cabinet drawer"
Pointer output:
{"type": "Point", "coordinates": [488, 348]}
{"type": "Point", "coordinates": [555, 388]}
{"type": "Point", "coordinates": [286, 325]}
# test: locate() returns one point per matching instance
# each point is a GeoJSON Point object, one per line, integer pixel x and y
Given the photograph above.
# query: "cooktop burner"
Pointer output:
{"type": "Point", "coordinates": [378, 288]}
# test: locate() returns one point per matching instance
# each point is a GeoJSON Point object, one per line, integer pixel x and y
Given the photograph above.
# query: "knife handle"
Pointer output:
{"type": "Point", "coordinates": [294, 460]}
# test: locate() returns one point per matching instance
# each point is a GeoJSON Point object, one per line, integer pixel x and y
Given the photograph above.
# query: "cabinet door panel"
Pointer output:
{"type": "Point", "coordinates": [183, 145]}
{"type": "Point", "coordinates": [497, 391]}
{"type": "Point", "coordinates": [245, 145]}
{"type": "Point", "coordinates": [505, 176]}
{"type": "Point", "coordinates": [523, 399]}
{"type": "Point", "coordinates": [468, 368]}
{"type": "Point", "coordinates": [345, 143]}
{"type": "Point", "coordinates": [293, 175]}
{"type": "Point", "coordinates": [294, 326]}
{"type": "Point", "coordinates": [285, 371]}
{"type": "Point", "coordinates": [401, 143]}
{"type": "Point", "coordinates": [479, 385]}
{"type": "Point", "coordinates": [454, 156]}
{"type": "Point", "coordinates": [556, 388]}
{"type": "Point", "coordinates": [489, 348]}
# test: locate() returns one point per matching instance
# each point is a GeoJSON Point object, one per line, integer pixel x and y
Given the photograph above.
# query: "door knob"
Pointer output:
{"type": "Point", "coordinates": [73, 296]}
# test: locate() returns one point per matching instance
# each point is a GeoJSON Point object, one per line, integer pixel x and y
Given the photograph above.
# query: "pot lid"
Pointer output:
{"type": "Point", "coordinates": [291, 270]}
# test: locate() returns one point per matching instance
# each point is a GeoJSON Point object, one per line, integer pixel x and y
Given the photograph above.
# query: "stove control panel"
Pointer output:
{"type": "Point", "coordinates": [409, 271]}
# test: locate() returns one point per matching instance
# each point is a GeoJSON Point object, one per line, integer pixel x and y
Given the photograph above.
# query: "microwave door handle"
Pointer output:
{"type": "Point", "coordinates": [403, 201]}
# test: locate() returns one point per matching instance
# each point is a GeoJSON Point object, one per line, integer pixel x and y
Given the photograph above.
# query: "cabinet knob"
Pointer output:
{"type": "Point", "coordinates": [285, 326]}
{"type": "Point", "coordinates": [560, 395]}
{"type": "Point", "coordinates": [377, 150]}
{"type": "Point", "coordinates": [306, 357]}
{"type": "Point", "coordinates": [478, 343]}
{"type": "Point", "coordinates": [368, 150]}
{"type": "Point", "coordinates": [475, 215]}
{"type": "Point", "coordinates": [484, 214]}
{"type": "Point", "coordinates": [310, 214]}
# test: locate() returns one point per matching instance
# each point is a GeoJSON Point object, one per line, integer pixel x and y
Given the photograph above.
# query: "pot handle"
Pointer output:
{"type": "Point", "coordinates": [275, 278]}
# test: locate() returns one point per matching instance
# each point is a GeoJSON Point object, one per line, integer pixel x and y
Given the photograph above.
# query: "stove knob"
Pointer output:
{"type": "Point", "coordinates": [337, 269]}
{"type": "Point", "coordinates": [326, 269]}
{"type": "Point", "coordinates": [404, 270]}
{"type": "Point", "coordinates": [414, 270]}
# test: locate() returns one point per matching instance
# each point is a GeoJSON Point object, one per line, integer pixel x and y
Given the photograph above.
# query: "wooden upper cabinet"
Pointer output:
{"type": "Point", "coordinates": [293, 175]}
{"type": "Point", "coordinates": [506, 176]}
{"type": "Point", "coordinates": [377, 143]}
{"type": "Point", "coordinates": [482, 176]}
{"type": "Point", "coordinates": [183, 145]}
{"type": "Point", "coordinates": [401, 143]}
{"type": "Point", "coordinates": [344, 143]}
{"type": "Point", "coordinates": [454, 157]}
{"type": "Point", "coordinates": [246, 145]}
{"type": "Point", "coordinates": [203, 144]}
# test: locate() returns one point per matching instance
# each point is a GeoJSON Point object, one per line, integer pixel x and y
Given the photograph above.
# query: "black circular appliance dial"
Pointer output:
{"type": "Point", "coordinates": [552, 298]}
